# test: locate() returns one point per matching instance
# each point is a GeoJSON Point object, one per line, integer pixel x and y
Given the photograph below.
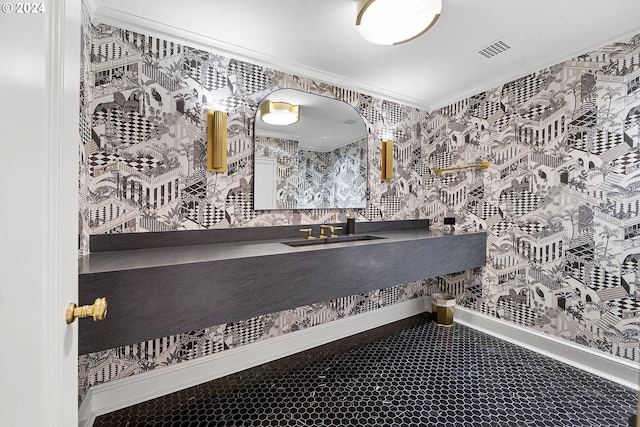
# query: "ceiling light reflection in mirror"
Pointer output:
{"type": "Point", "coordinates": [279, 113]}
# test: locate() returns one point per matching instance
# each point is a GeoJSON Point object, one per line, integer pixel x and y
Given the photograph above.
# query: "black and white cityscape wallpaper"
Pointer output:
{"type": "Point", "coordinates": [560, 200]}
{"type": "Point", "coordinates": [313, 179]}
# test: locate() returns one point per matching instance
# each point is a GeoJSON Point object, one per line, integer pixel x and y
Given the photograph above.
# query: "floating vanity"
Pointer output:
{"type": "Point", "coordinates": [161, 284]}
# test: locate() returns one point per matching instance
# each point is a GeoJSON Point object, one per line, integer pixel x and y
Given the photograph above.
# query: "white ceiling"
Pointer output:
{"type": "Point", "coordinates": [318, 39]}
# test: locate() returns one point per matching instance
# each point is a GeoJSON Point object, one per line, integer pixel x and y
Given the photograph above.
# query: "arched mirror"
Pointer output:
{"type": "Point", "coordinates": [317, 162]}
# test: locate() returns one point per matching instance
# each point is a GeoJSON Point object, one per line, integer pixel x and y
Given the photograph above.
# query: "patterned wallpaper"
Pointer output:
{"type": "Point", "coordinates": [560, 200]}
{"type": "Point", "coordinates": [314, 179]}
{"type": "Point", "coordinates": [336, 178]}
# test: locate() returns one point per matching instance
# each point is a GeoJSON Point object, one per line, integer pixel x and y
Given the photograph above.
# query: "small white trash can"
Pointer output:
{"type": "Point", "coordinates": [442, 307]}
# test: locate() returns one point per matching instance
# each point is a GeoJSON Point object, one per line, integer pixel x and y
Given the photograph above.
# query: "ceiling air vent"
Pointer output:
{"type": "Point", "coordinates": [493, 49]}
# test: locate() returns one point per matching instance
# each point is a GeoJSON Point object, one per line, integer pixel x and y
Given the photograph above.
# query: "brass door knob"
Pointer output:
{"type": "Point", "coordinates": [98, 310]}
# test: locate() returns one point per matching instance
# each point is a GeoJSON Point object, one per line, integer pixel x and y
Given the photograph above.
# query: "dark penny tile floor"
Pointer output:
{"type": "Point", "coordinates": [408, 373]}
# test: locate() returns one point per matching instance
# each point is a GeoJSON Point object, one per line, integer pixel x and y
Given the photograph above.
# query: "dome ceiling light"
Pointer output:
{"type": "Point", "coordinates": [279, 113]}
{"type": "Point", "coordinates": [389, 22]}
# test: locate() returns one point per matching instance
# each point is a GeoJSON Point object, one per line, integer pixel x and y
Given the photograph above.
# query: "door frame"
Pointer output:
{"type": "Point", "coordinates": [40, 80]}
{"type": "Point", "coordinates": [63, 84]}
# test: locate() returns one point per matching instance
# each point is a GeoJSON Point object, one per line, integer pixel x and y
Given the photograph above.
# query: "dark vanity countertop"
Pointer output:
{"type": "Point", "coordinates": [230, 276]}
{"type": "Point", "coordinates": [167, 256]}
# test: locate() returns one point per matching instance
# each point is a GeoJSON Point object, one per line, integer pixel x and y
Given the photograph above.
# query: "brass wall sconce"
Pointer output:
{"type": "Point", "coordinates": [217, 141]}
{"type": "Point", "coordinates": [483, 165]}
{"type": "Point", "coordinates": [387, 160]}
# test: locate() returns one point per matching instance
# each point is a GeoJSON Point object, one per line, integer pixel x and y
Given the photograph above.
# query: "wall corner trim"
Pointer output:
{"type": "Point", "coordinates": [108, 397]}
{"type": "Point", "coordinates": [622, 371]}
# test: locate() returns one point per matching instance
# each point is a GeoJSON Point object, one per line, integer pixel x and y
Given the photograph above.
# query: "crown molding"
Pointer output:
{"type": "Point", "coordinates": [116, 18]}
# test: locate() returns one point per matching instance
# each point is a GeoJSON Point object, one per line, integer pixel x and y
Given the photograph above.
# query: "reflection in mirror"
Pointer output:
{"type": "Point", "coordinates": [320, 162]}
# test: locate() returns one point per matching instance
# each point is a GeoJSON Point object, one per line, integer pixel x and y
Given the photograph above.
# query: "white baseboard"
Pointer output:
{"type": "Point", "coordinates": [104, 398]}
{"type": "Point", "coordinates": [622, 371]}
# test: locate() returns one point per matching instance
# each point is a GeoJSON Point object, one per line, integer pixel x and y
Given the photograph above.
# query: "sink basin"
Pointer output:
{"type": "Point", "coordinates": [331, 240]}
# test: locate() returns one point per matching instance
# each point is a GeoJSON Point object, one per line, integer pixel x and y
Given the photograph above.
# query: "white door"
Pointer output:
{"type": "Point", "coordinates": [264, 194]}
{"type": "Point", "coordinates": [39, 86]}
